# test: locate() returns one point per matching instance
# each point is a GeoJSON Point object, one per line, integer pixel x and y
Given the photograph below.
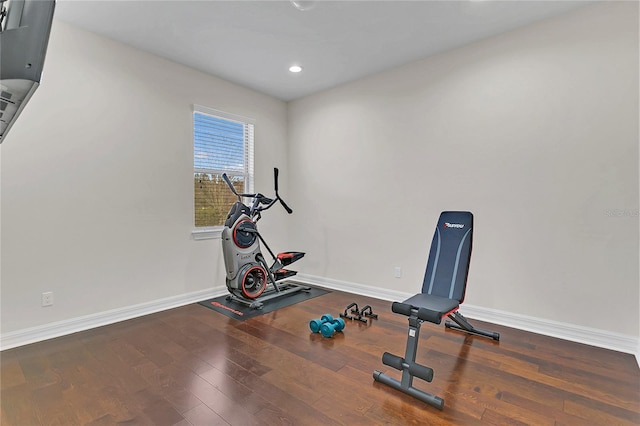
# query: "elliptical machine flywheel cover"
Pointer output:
{"type": "Point", "coordinates": [244, 233]}
{"type": "Point", "coordinates": [252, 280]}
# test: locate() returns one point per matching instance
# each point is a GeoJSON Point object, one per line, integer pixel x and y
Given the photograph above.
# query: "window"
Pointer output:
{"type": "Point", "coordinates": [222, 143]}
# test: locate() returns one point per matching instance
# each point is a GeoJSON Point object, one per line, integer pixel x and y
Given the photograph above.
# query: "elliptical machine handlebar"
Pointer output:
{"type": "Point", "coordinates": [230, 185]}
{"type": "Point", "coordinates": [259, 197]}
{"type": "Point", "coordinates": [275, 179]}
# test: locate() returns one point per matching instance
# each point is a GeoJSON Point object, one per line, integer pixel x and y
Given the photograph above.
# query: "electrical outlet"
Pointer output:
{"type": "Point", "coordinates": [397, 272]}
{"type": "Point", "coordinates": [47, 298]}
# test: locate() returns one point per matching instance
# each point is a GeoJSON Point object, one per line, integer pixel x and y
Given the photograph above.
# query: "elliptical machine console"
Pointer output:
{"type": "Point", "coordinates": [248, 274]}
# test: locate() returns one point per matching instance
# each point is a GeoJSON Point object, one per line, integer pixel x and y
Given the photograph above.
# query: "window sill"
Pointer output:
{"type": "Point", "coordinates": [207, 233]}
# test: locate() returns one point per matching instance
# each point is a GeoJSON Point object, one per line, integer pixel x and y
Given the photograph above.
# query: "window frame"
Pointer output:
{"type": "Point", "coordinates": [209, 232]}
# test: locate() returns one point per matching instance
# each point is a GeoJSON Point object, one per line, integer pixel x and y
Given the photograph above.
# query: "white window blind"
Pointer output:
{"type": "Point", "coordinates": [222, 143]}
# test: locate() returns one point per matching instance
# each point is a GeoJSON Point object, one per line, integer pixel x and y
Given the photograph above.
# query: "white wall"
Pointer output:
{"type": "Point", "coordinates": [97, 181]}
{"type": "Point", "coordinates": [535, 131]}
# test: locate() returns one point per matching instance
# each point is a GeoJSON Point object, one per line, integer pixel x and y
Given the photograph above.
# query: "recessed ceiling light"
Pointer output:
{"type": "Point", "coordinates": [295, 68]}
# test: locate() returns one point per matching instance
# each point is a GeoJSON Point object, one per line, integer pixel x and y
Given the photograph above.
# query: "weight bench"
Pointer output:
{"type": "Point", "coordinates": [443, 290]}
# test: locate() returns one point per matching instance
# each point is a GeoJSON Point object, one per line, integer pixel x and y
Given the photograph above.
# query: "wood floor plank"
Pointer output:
{"type": "Point", "coordinates": [52, 407]}
{"type": "Point", "coordinates": [599, 412]}
{"type": "Point", "coordinates": [496, 418]}
{"type": "Point", "coordinates": [11, 374]}
{"type": "Point", "coordinates": [156, 408]}
{"type": "Point", "coordinates": [559, 416]}
{"type": "Point", "coordinates": [191, 365]}
{"type": "Point", "coordinates": [202, 415]}
{"type": "Point", "coordinates": [236, 391]}
{"type": "Point", "coordinates": [344, 412]}
{"type": "Point", "coordinates": [231, 411]}
{"type": "Point", "coordinates": [292, 410]}
{"type": "Point", "coordinates": [18, 406]}
{"type": "Point", "coordinates": [529, 381]}
{"type": "Point", "coordinates": [119, 407]}
{"type": "Point", "coordinates": [163, 383]}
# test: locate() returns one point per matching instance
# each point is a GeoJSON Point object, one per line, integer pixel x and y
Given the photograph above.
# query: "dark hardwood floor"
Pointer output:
{"type": "Point", "coordinates": [194, 366]}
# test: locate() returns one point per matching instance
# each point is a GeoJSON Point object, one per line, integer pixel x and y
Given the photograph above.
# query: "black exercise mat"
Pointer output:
{"type": "Point", "coordinates": [240, 312]}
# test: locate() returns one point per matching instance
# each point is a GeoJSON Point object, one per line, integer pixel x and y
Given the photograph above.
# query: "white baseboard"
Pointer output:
{"type": "Point", "coordinates": [575, 333]}
{"type": "Point", "coordinates": [363, 290]}
{"type": "Point", "coordinates": [571, 332]}
{"type": "Point", "coordinates": [61, 328]}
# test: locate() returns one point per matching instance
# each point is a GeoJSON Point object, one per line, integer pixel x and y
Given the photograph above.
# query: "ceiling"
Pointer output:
{"type": "Point", "coordinates": [253, 43]}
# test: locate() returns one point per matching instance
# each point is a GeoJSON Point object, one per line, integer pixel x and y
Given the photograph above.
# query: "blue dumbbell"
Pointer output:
{"type": "Point", "coordinates": [328, 328]}
{"type": "Point", "coordinates": [315, 324]}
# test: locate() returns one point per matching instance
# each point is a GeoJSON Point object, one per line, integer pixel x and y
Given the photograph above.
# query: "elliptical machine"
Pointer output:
{"type": "Point", "coordinates": [248, 274]}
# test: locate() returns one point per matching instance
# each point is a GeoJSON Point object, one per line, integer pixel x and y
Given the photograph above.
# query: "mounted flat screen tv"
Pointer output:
{"type": "Point", "coordinates": [24, 34]}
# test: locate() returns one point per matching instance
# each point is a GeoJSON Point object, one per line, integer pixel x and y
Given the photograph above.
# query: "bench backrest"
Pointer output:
{"type": "Point", "coordinates": [448, 264]}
